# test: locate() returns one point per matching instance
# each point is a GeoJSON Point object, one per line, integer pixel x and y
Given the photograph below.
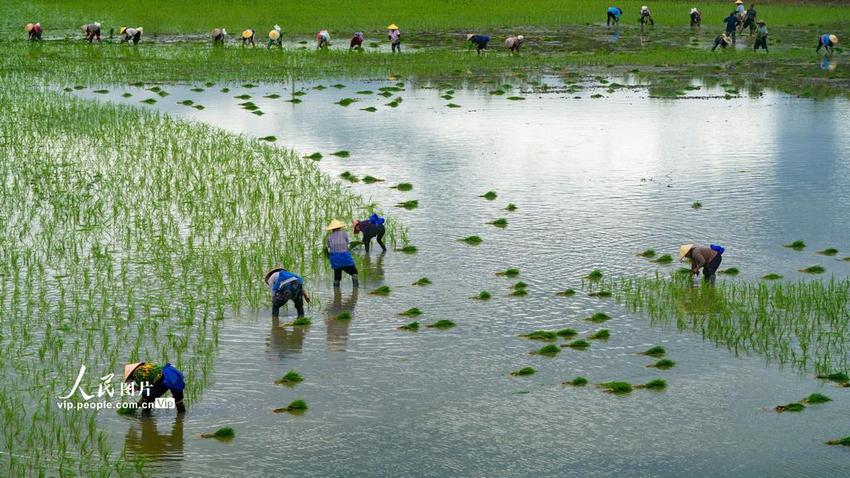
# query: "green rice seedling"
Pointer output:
{"type": "Point", "coordinates": [269, 138]}
{"type": "Point", "coordinates": [411, 312]}
{"type": "Point", "coordinates": [511, 207]}
{"type": "Point", "coordinates": [732, 271]}
{"type": "Point", "coordinates": [497, 92]}
{"type": "Point", "coordinates": [489, 195]}
{"type": "Point", "coordinates": [423, 281]}
{"type": "Point", "coordinates": [544, 335]}
{"type": "Point", "coordinates": [343, 316]}
{"type": "Point", "coordinates": [771, 276]}
{"type": "Point", "coordinates": [442, 324]}
{"type": "Point", "coordinates": [320, 87]}
{"type": "Point", "coordinates": [249, 85]}
{"type": "Point", "coordinates": [596, 96]}
{"type": "Point", "coordinates": [371, 179]}
{"type": "Point", "coordinates": [197, 89]}
{"type": "Point", "coordinates": [342, 153]}
{"type": "Point", "coordinates": [515, 98]}
{"type": "Point", "coordinates": [649, 253]}
{"type": "Point", "coordinates": [365, 92]}
{"type": "Point", "coordinates": [452, 105]}
{"type": "Point", "coordinates": [296, 407]}
{"type": "Point", "coordinates": [548, 350]}
{"type": "Point", "coordinates": [483, 295]}
{"type": "Point", "coordinates": [510, 272]}
{"type": "Point", "coordinates": [225, 90]}
{"type": "Point", "coordinates": [816, 398]}
{"type": "Point", "coordinates": [472, 240]}
{"type": "Point", "coordinates": [813, 270]}
{"type": "Point", "coordinates": [198, 107]}
{"type": "Point", "coordinates": [290, 378]}
{"type": "Point", "coordinates": [315, 156]}
{"type": "Point", "coordinates": [386, 94]}
{"type": "Point", "coordinates": [370, 109]}
{"type": "Point", "coordinates": [257, 112]}
{"type": "Point", "coordinates": [656, 351]}
{"type": "Point", "coordinates": [272, 96]}
{"type": "Point", "coordinates": [594, 275]}
{"type": "Point", "coordinates": [840, 441]}
{"type": "Point", "coordinates": [294, 101]}
{"type": "Point", "coordinates": [500, 223]}
{"type": "Point", "coordinates": [655, 384]}
{"type": "Point", "coordinates": [600, 293]}
{"type": "Point", "coordinates": [412, 327]}
{"type": "Point", "coordinates": [297, 93]}
{"type": "Point", "coordinates": [847, 259]}
{"type": "Point", "coordinates": [696, 205]}
{"type": "Point", "coordinates": [522, 292]}
{"type": "Point", "coordinates": [403, 187]}
{"type": "Point", "coordinates": [384, 290]}
{"type": "Point", "coordinates": [683, 272]}
{"type": "Point", "coordinates": [408, 249]}
{"type": "Point", "coordinates": [616, 387]}
{"type": "Point", "coordinates": [579, 344]}
{"type": "Point", "coordinates": [839, 377]}
{"type": "Point", "coordinates": [412, 204]}
{"type": "Point", "coordinates": [519, 285]}
{"type": "Point", "coordinates": [394, 103]}
{"type": "Point", "coordinates": [101, 92]}
{"type": "Point", "coordinates": [797, 245]}
{"type": "Point", "coordinates": [791, 407]}
{"type": "Point", "coordinates": [664, 259]}
{"type": "Point", "coordinates": [566, 293]}
{"type": "Point", "coordinates": [523, 372]}
{"type": "Point", "coordinates": [127, 95]}
{"type": "Point", "coordinates": [576, 382]}
{"type": "Point", "coordinates": [567, 333]}
{"type": "Point", "coordinates": [346, 175]}
{"type": "Point", "coordinates": [149, 101]}
{"type": "Point", "coordinates": [602, 334]}
{"type": "Point", "coordinates": [598, 318]}
{"type": "Point", "coordinates": [346, 101]}
{"type": "Point", "coordinates": [302, 322]}
{"type": "Point", "coordinates": [243, 97]}
{"type": "Point", "coordinates": [225, 434]}
{"type": "Point", "coordinates": [663, 364]}
{"type": "Point", "coordinates": [338, 86]}
{"type": "Point", "coordinates": [446, 97]}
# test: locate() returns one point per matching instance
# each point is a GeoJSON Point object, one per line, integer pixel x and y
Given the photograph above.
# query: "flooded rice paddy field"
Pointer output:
{"type": "Point", "coordinates": [595, 181]}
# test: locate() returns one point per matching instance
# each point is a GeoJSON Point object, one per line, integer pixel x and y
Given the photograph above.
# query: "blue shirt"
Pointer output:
{"type": "Point", "coordinates": [731, 23]}
{"type": "Point", "coordinates": [278, 278]}
{"type": "Point", "coordinates": [615, 11]}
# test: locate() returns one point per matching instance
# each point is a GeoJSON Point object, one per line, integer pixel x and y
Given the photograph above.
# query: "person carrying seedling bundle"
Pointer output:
{"type": "Point", "coordinates": [513, 43]}
{"type": "Point", "coordinates": [218, 35]}
{"type": "Point", "coordinates": [33, 31]}
{"type": "Point", "coordinates": [339, 255]}
{"type": "Point", "coordinates": [275, 37]}
{"type": "Point", "coordinates": [92, 31]}
{"type": "Point", "coordinates": [372, 227]}
{"type": "Point", "coordinates": [134, 34]}
{"type": "Point", "coordinates": [696, 18]}
{"type": "Point", "coordinates": [731, 26]}
{"type": "Point", "coordinates": [750, 19]}
{"type": "Point", "coordinates": [645, 16]}
{"type": "Point", "coordinates": [826, 41]}
{"type": "Point", "coordinates": [323, 39]}
{"type": "Point", "coordinates": [761, 37]}
{"type": "Point", "coordinates": [614, 15]}
{"type": "Point", "coordinates": [707, 258]}
{"type": "Point", "coordinates": [286, 286]}
{"type": "Point", "coordinates": [154, 380]}
{"type": "Point", "coordinates": [723, 40]}
{"type": "Point", "coordinates": [478, 41]}
{"type": "Point", "coordinates": [394, 35]}
{"type": "Point", "coordinates": [356, 41]}
{"type": "Point", "coordinates": [248, 37]}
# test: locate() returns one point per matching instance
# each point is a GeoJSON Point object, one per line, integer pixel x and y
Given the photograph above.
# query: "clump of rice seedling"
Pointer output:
{"type": "Point", "coordinates": [386, 94]}
{"type": "Point", "coordinates": [567, 333]}
{"type": "Point", "coordinates": [402, 187]}
{"type": "Point", "coordinates": [343, 316]}
{"type": "Point", "coordinates": [302, 322]}
{"type": "Point", "coordinates": [548, 350]}
{"type": "Point", "coordinates": [257, 112]}
{"type": "Point", "coordinates": [791, 407]}
{"type": "Point", "coordinates": [656, 384]}
{"type": "Point", "coordinates": [598, 317]}
{"type": "Point", "coordinates": [349, 177]}
{"type": "Point", "coordinates": [829, 251]}
{"type": "Point", "coordinates": [649, 253]}
{"type": "Point", "coordinates": [225, 433]}
{"type": "Point", "coordinates": [602, 334]}
{"type": "Point", "coordinates": [489, 195]}
{"type": "Point", "coordinates": [525, 371]}
{"type": "Point", "coordinates": [101, 92]}
{"type": "Point", "coordinates": [411, 312]}
{"type": "Point", "coordinates": [338, 86]}
{"type": "Point", "coordinates": [412, 327]}
{"type": "Point", "coordinates": [541, 335]}
{"type": "Point", "coordinates": [664, 259]}
{"type": "Point", "coordinates": [127, 95]}
{"type": "Point", "coordinates": [497, 92]}
{"type": "Point", "coordinates": [732, 271]}
{"type": "Point", "coordinates": [663, 364]}
{"type": "Point", "coordinates": [814, 270]}
{"type": "Point", "coordinates": [594, 275]}
{"type": "Point", "coordinates": [501, 222]}
{"type": "Point", "coordinates": [383, 290]}
{"type": "Point", "coordinates": [579, 344]}
{"type": "Point", "coordinates": [272, 96]}
{"type": "Point", "coordinates": [510, 272]}
{"type": "Point", "coordinates": [846, 259]}
{"type": "Point", "coordinates": [243, 97]}
{"type": "Point", "coordinates": [370, 109]}
{"type": "Point", "coordinates": [446, 97]}
{"type": "Point", "coordinates": [656, 351]}
{"type": "Point", "coordinates": [452, 105]}
{"type": "Point", "coordinates": [371, 179]}
{"type": "Point", "coordinates": [315, 156]}
{"type": "Point", "coordinates": [269, 138]}
{"type": "Point", "coordinates": [128, 409]}
{"type": "Point", "coordinates": [683, 271]}
{"type": "Point", "coordinates": [423, 281]}
{"type": "Point", "coordinates": [600, 293]}
{"type": "Point", "coordinates": [294, 101]}
{"type": "Point", "coordinates": [617, 387]}
{"type": "Point", "coordinates": [511, 207]}
{"type": "Point", "coordinates": [198, 107]}
{"type": "Point", "coordinates": [515, 98]}
{"type": "Point", "coordinates": [408, 249]}
{"type": "Point", "coordinates": [299, 93]}
{"type": "Point", "coordinates": [696, 205]}
{"type": "Point", "coordinates": [521, 292]}
{"type": "Point", "coordinates": [442, 324]}
{"type": "Point", "coordinates": [186, 102]}
{"type": "Point", "coordinates": [296, 406]}
{"type": "Point", "coordinates": [797, 245]}
{"type": "Point", "coordinates": [342, 153]}
{"type": "Point", "coordinates": [346, 101]}
{"type": "Point", "coordinates": [483, 295]}
{"type": "Point", "coordinates": [596, 96]}
{"type": "Point", "coordinates": [412, 204]}
{"type": "Point", "coordinates": [840, 441]}
{"type": "Point", "coordinates": [771, 276]}
{"type": "Point", "coordinates": [249, 85]}
{"type": "Point", "coordinates": [519, 285]}
{"type": "Point", "coordinates": [394, 103]}
{"type": "Point", "coordinates": [835, 377]}
{"type": "Point", "coordinates": [365, 92]}
{"type": "Point", "coordinates": [149, 101]}
{"type": "Point", "coordinates": [291, 378]}
{"type": "Point", "coordinates": [576, 382]}
{"type": "Point", "coordinates": [472, 240]}
{"type": "Point", "coordinates": [816, 398]}
{"type": "Point", "coordinates": [225, 90]}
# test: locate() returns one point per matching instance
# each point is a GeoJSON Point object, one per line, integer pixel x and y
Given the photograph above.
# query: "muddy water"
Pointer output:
{"type": "Point", "coordinates": [595, 182]}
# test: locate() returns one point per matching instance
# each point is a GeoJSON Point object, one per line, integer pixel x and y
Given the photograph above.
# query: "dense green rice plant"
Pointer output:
{"type": "Point", "coordinates": [566, 293]}
{"type": "Point", "coordinates": [649, 253]}
{"type": "Point", "coordinates": [291, 378]}
{"type": "Point", "coordinates": [797, 245]}
{"type": "Point", "coordinates": [548, 350]}
{"type": "Point", "coordinates": [383, 290]}
{"type": "Point", "coordinates": [412, 327]}
{"type": "Point", "coordinates": [411, 312]}
{"type": "Point", "coordinates": [598, 317]}
{"type": "Point", "coordinates": [489, 195]}
{"type": "Point", "coordinates": [472, 240]}
{"type": "Point", "coordinates": [566, 333]}
{"type": "Point", "coordinates": [510, 272]}
{"type": "Point", "coordinates": [829, 251]}
{"type": "Point", "coordinates": [483, 295]}
{"type": "Point", "coordinates": [602, 334]}
{"type": "Point", "coordinates": [576, 382]}
{"type": "Point", "coordinates": [525, 371]}
{"type": "Point", "coordinates": [442, 324]}
{"type": "Point", "coordinates": [422, 281]}
{"type": "Point", "coordinates": [225, 433]}
{"type": "Point", "coordinates": [541, 335]}
{"type": "Point", "coordinates": [616, 387]}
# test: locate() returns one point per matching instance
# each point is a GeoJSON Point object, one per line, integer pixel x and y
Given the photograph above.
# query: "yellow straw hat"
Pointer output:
{"type": "Point", "coordinates": [130, 368]}
{"type": "Point", "coordinates": [684, 250]}
{"type": "Point", "coordinates": [738, 2]}
{"type": "Point", "coordinates": [274, 34]}
{"type": "Point", "coordinates": [392, 26]}
{"type": "Point", "coordinates": [122, 30]}
{"type": "Point", "coordinates": [833, 39]}
{"type": "Point", "coordinates": [335, 224]}
{"type": "Point", "coordinates": [247, 33]}
{"type": "Point", "coordinates": [29, 27]}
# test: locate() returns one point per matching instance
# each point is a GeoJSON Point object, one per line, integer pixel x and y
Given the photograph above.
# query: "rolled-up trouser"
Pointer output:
{"type": "Point", "coordinates": [710, 269]}
{"type": "Point", "coordinates": [287, 292]}
{"type": "Point", "coordinates": [350, 270]}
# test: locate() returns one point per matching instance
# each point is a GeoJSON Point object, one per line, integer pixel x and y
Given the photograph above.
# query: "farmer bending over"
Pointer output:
{"type": "Point", "coordinates": [356, 41]}
{"type": "Point", "coordinates": [218, 35]}
{"type": "Point", "coordinates": [323, 40]}
{"type": "Point", "coordinates": [696, 18]}
{"type": "Point", "coordinates": [92, 31]}
{"type": "Point", "coordinates": [339, 255]}
{"type": "Point", "coordinates": [723, 40]}
{"type": "Point", "coordinates": [275, 37]}
{"type": "Point", "coordinates": [614, 15]}
{"type": "Point", "coordinates": [646, 16]}
{"type": "Point", "coordinates": [513, 43]}
{"type": "Point", "coordinates": [248, 37]}
{"type": "Point", "coordinates": [707, 258]}
{"type": "Point", "coordinates": [33, 31]}
{"type": "Point", "coordinates": [372, 227]}
{"type": "Point", "coordinates": [478, 41]}
{"type": "Point", "coordinates": [827, 41]}
{"type": "Point", "coordinates": [286, 286]}
{"type": "Point", "coordinates": [750, 19]}
{"type": "Point", "coordinates": [155, 380]}
{"type": "Point", "coordinates": [134, 34]}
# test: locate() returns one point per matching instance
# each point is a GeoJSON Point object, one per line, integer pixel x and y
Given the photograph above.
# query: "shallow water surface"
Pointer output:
{"type": "Point", "coordinates": [595, 182]}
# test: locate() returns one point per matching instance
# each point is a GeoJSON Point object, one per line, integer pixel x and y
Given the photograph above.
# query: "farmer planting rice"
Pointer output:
{"type": "Point", "coordinates": [339, 255]}
{"type": "Point", "coordinates": [750, 19]}
{"type": "Point", "coordinates": [134, 34]}
{"type": "Point", "coordinates": [356, 41]}
{"type": "Point", "coordinates": [513, 43]}
{"type": "Point", "coordinates": [372, 227]}
{"type": "Point", "coordinates": [646, 16]}
{"type": "Point", "coordinates": [33, 31]}
{"type": "Point", "coordinates": [614, 15]}
{"type": "Point", "coordinates": [478, 41]}
{"type": "Point", "coordinates": [218, 35]}
{"type": "Point", "coordinates": [827, 41]}
{"type": "Point", "coordinates": [248, 37]}
{"type": "Point", "coordinates": [731, 26]}
{"type": "Point", "coordinates": [723, 41]}
{"type": "Point", "coordinates": [761, 37]}
{"type": "Point", "coordinates": [696, 18]}
{"type": "Point", "coordinates": [92, 31]}
{"type": "Point", "coordinates": [286, 286]}
{"type": "Point", "coordinates": [323, 39]}
{"type": "Point", "coordinates": [275, 37]}
{"type": "Point", "coordinates": [394, 35]}
{"type": "Point", "coordinates": [707, 258]}
{"type": "Point", "coordinates": [154, 380]}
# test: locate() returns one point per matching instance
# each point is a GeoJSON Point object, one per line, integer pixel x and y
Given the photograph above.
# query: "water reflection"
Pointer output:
{"type": "Point", "coordinates": [337, 330]}
{"type": "Point", "coordinates": [827, 64]}
{"type": "Point", "coordinates": [374, 270]}
{"type": "Point", "coordinates": [284, 341]}
{"type": "Point", "coordinates": [144, 440]}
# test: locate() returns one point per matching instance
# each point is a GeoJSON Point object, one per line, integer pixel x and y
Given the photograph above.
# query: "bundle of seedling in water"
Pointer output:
{"type": "Point", "coordinates": [296, 407]}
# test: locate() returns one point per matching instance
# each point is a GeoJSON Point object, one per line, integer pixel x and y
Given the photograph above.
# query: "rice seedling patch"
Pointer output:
{"type": "Point", "coordinates": [566, 333]}
{"type": "Point", "coordinates": [813, 270]}
{"type": "Point", "coordinates": [797, 245]}
{"type": "Point", "coordinates": [411, 327]}
{"type": "Point", "coordinates": [224, 434]}
{"type": "Point", "coordinates": [576, 382]}
{"type": "Point", "coordinates": [370, 109]}
{"type": "Point", "coordinates": [346, 101]}
{"type": "Point", "coordinates": [566, 293]}
{"type": "Point", "coordinates": [422, 281]}
{"type": "Point", "coordinates": [411, 312]}
{"type": "Point", "coordinates": [403, 187]}
{"type": "Point", "coordinates": [550, 350]}
{"type": "Point", "coordinates": [545, 335]}
{"type": "Point", "coordinates": [489, 195]}
{"type": "Point", "coordinates": [618, 388]}
{"type": "Point", "coordinates": [602, 334]}
{"type": "Point", "coordinates": [649, 253]}
{"type": "Point", "coordinates": [524, 372]}
{"type": "Point", "coordinates": [598, 318]}
{"type": "Point", "coordinates": [291, 378]}
{"type": "Point", "coordinates": [342, 153]}
{"type": "Point", "coordinates": [579, 344]}
{"type": "Point", "coordinates": [483, 295]}
{"type": "Point", "coordinates": [664, 259]}
{"type": "Point", "coordinates": [663, 364]}
{"type": "Point", "coordinates": [442, 324]}
{"type": "Point", "coordinates": [472, 240]}
{"type": "Point", "coordinates": [412, 204]}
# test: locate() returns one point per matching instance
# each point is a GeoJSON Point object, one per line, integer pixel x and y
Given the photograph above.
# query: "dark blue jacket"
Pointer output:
{"type": "Point", "coordinates": [731, 23]}
{"type": "Point", "coordinates": [480, 40]}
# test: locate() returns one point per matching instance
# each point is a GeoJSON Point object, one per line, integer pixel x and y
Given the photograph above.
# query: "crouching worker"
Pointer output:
{"type": "Point", "coordinates": [372, 227]}
{"type": "Point", "coordinates": [707, 258]}
{"type": "Point", "coordinates": [827, 42]}
{"type": "Point", "coordinates": [696, 18]}
{"type": "Point", "coordinates": [134, 34]}
{"type": "Point", "coordinates": [286, 286]}
{"type": "Point", "coordinates": [275, 37]}
{"type": "Point", "coordinates": [614, 16]}
{"type": "Point", "coordinates": [154, 380]}
{"type": "Point", "coordinates": [723, 41]}
{"type": "Point", "coordinates": [323, 40]}
{"type": "Point", "coordinates": [248, 37]}
{"type": "Point", "coordinates": [33, 31]}
{"type": "Point", "coordinates": [513, 43]}
{"type": "Point", "coordinates": [646, 16]}
{"type": "Point", "coordinates": [339, 255]}
{"type": "Point", "coordinates": [478, 41]}
{"type": "Point", "coordinates": [218, 35]}
{"type": "Point", "coordinates": [92, 31]}
{"type": "Point", "coordinates": [356, 41]}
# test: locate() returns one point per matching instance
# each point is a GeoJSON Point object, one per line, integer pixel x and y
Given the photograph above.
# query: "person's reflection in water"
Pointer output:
{"type": "Point", "coordinates": [826, 64]}
{"type": "Point", "coordinates": [284, 341]}
{"type": "Point", "coordinates": [337, 330]}
{"type": "Point", "coordinates": [144, 440]}
{"type": "Point", "coordinates": [615, 35]}
{"type": "Point", "coordinates": [375, 269]}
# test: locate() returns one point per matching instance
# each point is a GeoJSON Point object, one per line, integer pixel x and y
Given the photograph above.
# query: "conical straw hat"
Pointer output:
{"type": "Point", "coordinates": [335, 224]}
{"type": "Point", "coordinates": [130, 368]}
{"type": "Point", "coordinates": [684, 250]}
{"type": "Point", "coordinates": [392, 26]}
